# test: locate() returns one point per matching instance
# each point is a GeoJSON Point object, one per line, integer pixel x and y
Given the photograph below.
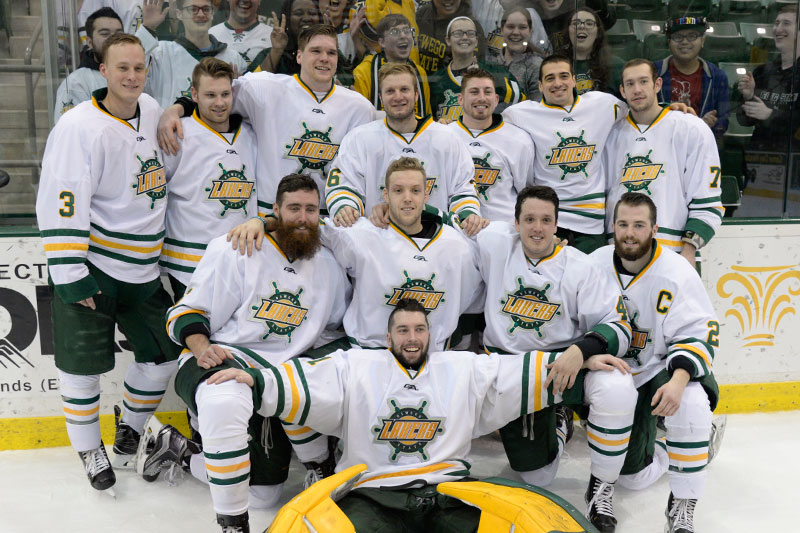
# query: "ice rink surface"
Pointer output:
{"type": "Point", "coordinates": [752, 487]}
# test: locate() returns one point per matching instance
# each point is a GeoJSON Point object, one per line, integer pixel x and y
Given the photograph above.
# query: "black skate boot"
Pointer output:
{"type": "Point", "coordinates": [170, 447]}
{"type": "Point", "coordinates": [680, 515]}
{"type": "Point", "coordinates": [599, 499]}
{"type": "Point", "coordinates": [565, 422]}
{"type": "Point", "coordinates": [234, 524]}
{"type": "Point", "coordinates": [126, 442]}
{"type": "Point", "coordinates": [98, 468]}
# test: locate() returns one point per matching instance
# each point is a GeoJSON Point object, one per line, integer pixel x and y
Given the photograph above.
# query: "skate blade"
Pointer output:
{"type": "Point", "coordinates": [110, 492]}
{"type": "Point", "coordinates": [151, 428]}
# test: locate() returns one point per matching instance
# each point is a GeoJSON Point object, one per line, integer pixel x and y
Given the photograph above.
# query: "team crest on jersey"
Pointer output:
{"type": "Point", "coordinates": [572, 155]}
{"type": "Point", "coordinates": [529, 308]}
{"type": "Point", "coordinates": [450, 108]}
{"type": "Point", "coordinates": [639, 340]}
{"type": "Point", "coordinates": [151, 180]}
{"type": "Point", "coordinates": [408, 430]}
{"type": "Point", "coordinates": [187, 93]}
{"type": "Point", "coordinates": [485, 175]}
{"type": "Point", "coordinates": [639, 171]}
{"type": "Point", "coordinates": [282, 312]}
{"type": "Point", "coordinates": [313, 149]}
{"type": "Point", "coordinates": [232, 189]}
{"type": "Point", "coordinates": [421, 290]}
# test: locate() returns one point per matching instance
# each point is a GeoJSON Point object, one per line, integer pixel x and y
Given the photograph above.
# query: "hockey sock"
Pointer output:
{"type": "Point", "coordinates": [145, 385]}
{"type": "Point", "coordinates": [224, 411]}
{"type": "Point", "coordinates": [688, 431]}
{"type": "Point", "coordinates": [541, 477]}
{"type": "Point", "coordinates": [265, 496]}
{"type": "Point", "coordinates": [612, 401]}
{"type": "Point", "coordinates": [309, 445]}
{"type": "Point", "coordinates": [80, 397]}
{"type": "Point", "coordinates": [651, 473]}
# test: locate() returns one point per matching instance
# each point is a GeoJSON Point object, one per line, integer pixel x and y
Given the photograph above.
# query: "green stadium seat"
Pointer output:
{"type": "Point", "coordinates": [722, 29]}
{"type": "Point", "coordinates": [631, 49]}
{"type": "Point", "coordinates": [681, 8]}
{"type": "Point", "coordinates": [751, 31]}
{"type": "Point", "coordinates": [651, 11]}
{"type": "Point", "coordinates": [655, 47]}
{"type": "Point", "coordinates": [725, 49]}
{"type": "Point", "coordinates": [741, 11]}
{"type": "Point", "coordinates": [643, 28]}
{"type": "Point", "coordinates": [731, 193]}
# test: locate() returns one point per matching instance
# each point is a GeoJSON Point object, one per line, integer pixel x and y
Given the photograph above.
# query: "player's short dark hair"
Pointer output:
{"type": "Point", "coordinates": [555, 58]}
{"type": "Point", "coordinates": [474, 74]}
{"type": "Point", "coordinates": [790, 8]}
{"type": "Point", "coordinates": [635, 63]}
{"type": "Point", "coordinates": [213, 67]}
{"type": "Point", "coordinates": [315, 30]}
{"type": "Point", "coordinates": [409, 306]}
{"type": "Point", "coordinates": [404, 163]}
{"type": "Point", "coordinates": [542, 192]}
{"type": "Point", "coordinates": [390, 69]}
{"type": "Point", "coordinates": [390, 21]}
{"type": "Point", "coordinates": [116, 40]}
{"type": "Point", "coordinates": [295, 182]}
{"type": "Point", "coordinates": [635, 199]}
{"type": "Point", "coordinates": [103, 12]}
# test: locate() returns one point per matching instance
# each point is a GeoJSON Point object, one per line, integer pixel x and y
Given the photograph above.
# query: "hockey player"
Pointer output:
{"type": "Point", "coordinates": [540, 296]}
{"type": "Point", "coordinates": [243, 31]}
{"type": "Point", "coordinates": [396, 39]}
{"type": "Point", "coordinates": [569, 134]}
{"type": "Point", "coordinates": [354, 182]}
{"type": "Point", "coordinates": [79, 85]}
{"type": "Point", "coordinates": [502, 153]}
{"type": "Point", "coordinates": [671, 157]}
{"type": "Point", "coordinates": [212, 178]}
{"type": "Point", "coordinates": [253, 312]}
{"type": "Point", "coordinates": [675, 338]}
{"type": "Point", "coordinates": [437, 402]}
{"type": "Point", "coordinates": [170, 63]}
{"type": "Point", "coordinates": [299, 121]}
{"type": "Point", "coordinates": [101, 206]}
{"type": "Point", "coordinates": [415, 256]}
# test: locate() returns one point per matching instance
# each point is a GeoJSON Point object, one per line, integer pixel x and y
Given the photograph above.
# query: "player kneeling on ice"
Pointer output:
{"type": "Point", "coordinates": [253, 312]}
{"type": "Point", "coordinates": [409, 415]}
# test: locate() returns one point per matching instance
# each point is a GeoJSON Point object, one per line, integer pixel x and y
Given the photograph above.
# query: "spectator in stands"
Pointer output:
{"type": "Point", "coordinates": [170, 63]}
{"type": "Point", "coordinates": [556, 15]}
{"type": "Point", "coordinates": [462, 39]}
{"type": "Point", "coordinates": [396, 38]}
{"type": "Point", "coordinates": [243, 31]}
{"type": "Point", "coordinates": [768, 95]}
{"type": "Point", "coordinates": [688, 78]}
{"type": "Point", "coordinates": [347, 20]}
{"type": "Point", "coordinates": [518, 52]}
{"type": "Point", "coordinates": [490, 13]}
{"type": "Point", "coordinates": [375, 10]}
{"type": "Point", "coordinates": [128, 11]}
{"type": "Point", "coordinates": [434, 19]}
{"type": "Point", "coordinates": [595, 67]}
{"type": "Point", "coordinates": [281, 57]}
{"type": "Point", "coordinates": [79, 86]}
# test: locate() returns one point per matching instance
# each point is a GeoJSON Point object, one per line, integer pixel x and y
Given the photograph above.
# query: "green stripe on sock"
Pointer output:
{"type": "Point", "coordinates": [81, 401]}
{"type": "Point", "coordinates": [303, 441]}
{"type": "Point", "coordinates": [231, 481]}
{"type": "Point", "coordinates": [226, 455]}
{"type": "Point", "coordinates": [686, 470]}
{"type": "Point", "coordinates": [143, 392]}
{"type": "Point", "coordinates": [138, 409]}
{"type": "Point", "coordinates": [83, 422]}
{"type": "Point", "coordinates": [605, 452]}
{"type": "Point", "coordinates": [609, 431]}
{"type": "Point", "coordinates": [687, 445]}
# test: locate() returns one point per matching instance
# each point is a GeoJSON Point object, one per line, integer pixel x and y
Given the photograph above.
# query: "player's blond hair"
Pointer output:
{"type": "Point", "coordinates": [116, 40]}
{"type": "Point", "coordinates": [404, 163]}
{"type": "Point", "coordinates": [390, 69]}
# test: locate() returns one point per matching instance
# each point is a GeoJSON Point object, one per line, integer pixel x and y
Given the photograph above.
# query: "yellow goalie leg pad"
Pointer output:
{"type": "Point", "coordinates": [315, 506]}
{"type": "Point", "coordinates": [517, 507]}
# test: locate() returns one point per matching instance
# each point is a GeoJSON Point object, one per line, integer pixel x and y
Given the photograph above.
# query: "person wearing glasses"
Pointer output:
{"type": "Point", "coordinates": [396, 39]}
{"type": "Point", "coordinates": [170, 63]}
{"type": "Point", "coordinates": [462, 39]}
{"type": "Point", "coordinates": [686, 77]}
{"type": "Point", "coordinates": [434, 19]}
{"type": "Point", "coordinates": [595, 68]}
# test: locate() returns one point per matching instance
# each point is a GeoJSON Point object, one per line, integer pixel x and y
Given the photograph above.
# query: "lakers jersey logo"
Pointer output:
{"type": "Point", "coordinates": [151, 180]}
{"type": "Point", "coordinates": [420, 290]}
{"type": "Point", "coordinates": [485, 175]}
{"type": "Point", "coordinates": [281, 312]}
{"type": "Point", "coordinates": [571, 155]}
{"type": "Point", "coordinates": [529, 308]}
{"type": "Point", "coordinates": [313, 149]}
{"type": "Point", "coordinates": [408, 430]}
{"type": "Point", "coordinates": [231, 189]}
{"type": "Point", "coordinates": [639, 340]}
{"type": "Point", "coordinates": [639, 171]}
{"type": "Point", "coordinates": [450, 108]}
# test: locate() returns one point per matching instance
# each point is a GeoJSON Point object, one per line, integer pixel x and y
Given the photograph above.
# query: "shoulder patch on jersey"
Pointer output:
{"type": "Point", "coordinates": [529, 308]}
{"type": "Point", "coordinates": [408, 430]}
{"type": "Point", "coordinates": [281, 312]}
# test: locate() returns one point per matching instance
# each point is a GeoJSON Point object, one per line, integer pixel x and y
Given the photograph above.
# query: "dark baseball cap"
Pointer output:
{"type": "Point", "coordinates": [686, 23]}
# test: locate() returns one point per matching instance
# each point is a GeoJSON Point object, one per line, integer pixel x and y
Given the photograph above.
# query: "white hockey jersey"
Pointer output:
{"type": "Point", "coordinates": [170, 66]}
{"type": "Point", "coordinates": [503, 156]}
{"type": "Point", "coordinates": [130, 11]}
{"type": "Point", "coordinates": [388, 265]}
{"type": "Point", "coordinates": [102, 197]}
{"type": "Point", "coordinates": [569, 145]}
{"type": "Point", "coordinates": [547, 304]}
{"type": "Point", "coordinates": [76, 88]}
{"type": "Point", "coordinates": [212, 188]}
{"type": "Point", "coordinates": [267, 307]}
{"type": "Point", "coordinates": [675, 161]}
{"type": "Point", "coordinates": [406, 426]}
{"type": "Point", "coordinates": [298, 131]}
{"type": "Point", "coordinates": [358, 174]}
{"type": "Point", "coordinates": [669, 310]}
{"type": "Point", "coordinates": [249, 43]}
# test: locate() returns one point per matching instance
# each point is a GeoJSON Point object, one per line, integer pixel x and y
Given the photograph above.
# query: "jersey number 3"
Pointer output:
{"type": "Point", "coordinates": [69, 204]}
